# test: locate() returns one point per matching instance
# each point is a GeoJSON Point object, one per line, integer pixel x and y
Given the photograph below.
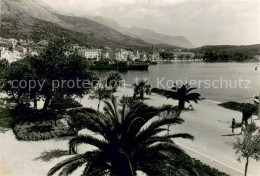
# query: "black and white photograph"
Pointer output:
{"type": "Point", "coordinates": [129, 87]}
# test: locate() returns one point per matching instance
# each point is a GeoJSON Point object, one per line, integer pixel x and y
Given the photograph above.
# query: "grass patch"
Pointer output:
{"type": "Point", "coordinates": [232, 105]}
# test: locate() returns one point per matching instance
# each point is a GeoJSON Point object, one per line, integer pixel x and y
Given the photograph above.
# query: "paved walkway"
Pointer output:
{"type": "Point", "coordinates": [208, 123]}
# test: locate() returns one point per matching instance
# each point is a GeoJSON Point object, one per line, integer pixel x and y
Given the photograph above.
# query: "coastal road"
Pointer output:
{"type": "Point", "coordinates": [210, 125]}
{"type": "Point", "coordinates": [213, 144]}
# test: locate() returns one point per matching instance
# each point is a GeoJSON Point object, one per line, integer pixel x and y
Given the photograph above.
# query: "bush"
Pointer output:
{"type": "Point", "coordinates": [205, 170]}
{"type": "Point", "coordinates": [35, 131]}
{"type": "Point", "coordinates": [239, 106]}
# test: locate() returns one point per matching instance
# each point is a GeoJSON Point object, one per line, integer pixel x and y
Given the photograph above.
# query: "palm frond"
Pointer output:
{"type": "Point", "coordinates": [63, 163]}
{"type": "Point", "coordinates": [110, 109]}
{"type": "Point", "coordinates": [181, 135]}
{"type": "Point", "coordinates": [193, 97]}
{"type": "Point", "coordinates": [71, 167]}
{"type": "Point", "coordinates": [87, 139]}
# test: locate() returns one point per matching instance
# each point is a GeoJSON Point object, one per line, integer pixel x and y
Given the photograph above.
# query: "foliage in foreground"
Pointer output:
{"type": "Point", "coordinates": [46, 76]}
{"type": "Point", "coordinates": [249, 146]}
{"type": "Point", "coordinates": [128, 144]}
{"type": "Point", "coordinates": [204, 169]}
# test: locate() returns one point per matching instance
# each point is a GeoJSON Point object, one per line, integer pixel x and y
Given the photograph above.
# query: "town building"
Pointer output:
{"type": "Point", "coordinates": [92, 54]}
{"type": "Point", "coordinates": [43, 42]}
{"type": "Point", "coordinates": [122, 55]}
{"type": "Point", "coordinates": [155, 56]}
{"type": "Point", "coordinates": [10, 56]}
{"type": "Point", "coordinates": [8, 42]}
{"type": "Point", "coordinates": [257, 57]}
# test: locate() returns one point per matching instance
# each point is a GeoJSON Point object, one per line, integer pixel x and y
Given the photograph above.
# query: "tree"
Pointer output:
{"type": "Point", "coordinates": [12, 75]}
{"type": "Point", "coordinates": [171, 113]}
{"type": "Point", "coordinates": [141, 88]}
{"type": "Point", "coordinates": [61, 104]}
{"type": "Point", "coordinates": [166, 55]}
{"type": "Point", "coordinates": [101, 93]}
{"type": "Point", "coordinates": [127, 102]}
{"type": "Point", "coordinates": [78, 118]}
{"type": "Point", "coordinates": [3, 64]}
{"type": "Point", "coordinates": [54, 64]}
{"type": "Point", "coordinates": [54, 68]}
{"type": "Point", "coordinates": [249, 146]}
{"type": "Point", "coordinates": [114, 80]}
{"type": "Point", "coordinates": [247, 110]}
{"type": "Point", "coordinates": [128, 144]}
{"type": "Point", "coordinates": [182, 94]}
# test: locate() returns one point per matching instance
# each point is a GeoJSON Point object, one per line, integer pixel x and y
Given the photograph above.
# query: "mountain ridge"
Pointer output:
{"type": "Point", "coordinates": [147, 35]}
{"type": "Point", "coordinates": [25, 13]}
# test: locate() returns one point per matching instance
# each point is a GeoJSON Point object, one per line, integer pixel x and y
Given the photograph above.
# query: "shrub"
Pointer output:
{"type": "Point", "coordinates": [239, 106]}
{"type": "Point", "coordinates": [35, 131]}
{"type": "Point", "coordinates": [205, 170]}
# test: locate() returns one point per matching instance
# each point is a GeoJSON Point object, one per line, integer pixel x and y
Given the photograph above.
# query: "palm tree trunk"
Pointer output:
{"type": "Point", "coordinates": [141, 95]}
{"type": "Point", "coordinates": [121, 166]}
{"type": "Point", "coordinates": [35, 103]}
{"type": "Point", "coordinates": [246, 165]}
{"type": "Point", "coordinates": [46, 104]}
{"type": "Point", "coordinates": [98, 105]}
{"type": "Point", "coordinates": [181, 104]}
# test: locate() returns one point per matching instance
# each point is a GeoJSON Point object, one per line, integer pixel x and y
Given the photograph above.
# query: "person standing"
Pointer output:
{"type": "Point", "coordinates": [243, 126]}
{"type": "Point", "coordinates": [233, 125]}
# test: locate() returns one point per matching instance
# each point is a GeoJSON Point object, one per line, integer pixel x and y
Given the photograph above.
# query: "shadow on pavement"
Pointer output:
{"type": "Point", "coordinates": [49, 155]}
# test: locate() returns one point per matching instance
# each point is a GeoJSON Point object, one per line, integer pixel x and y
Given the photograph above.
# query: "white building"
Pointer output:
{"type": "Point", "coordinates": [43, 42]}
{"type": "Point", "coordinates": [91, 53]}
{"type": "Point", "coordinates": [155, 56]}
{"type": "Point", "coordinates": [14, 42]}
{"type": "Point", "coordinates": [10, 56]}
{"type": "Point", "coordinates": [122, 55]}
{"type": "Point", "coordinates": [8, 42]}
{"type": "Point", "coordinates": [106, 55]}
{"type": "Point", "coordinates": [257, 57]}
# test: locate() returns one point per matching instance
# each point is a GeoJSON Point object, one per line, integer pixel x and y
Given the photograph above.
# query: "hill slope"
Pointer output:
{"type": "Point", "coordinates": [22, 15]}
{"type": "Point", "coordinates": [228, 52]}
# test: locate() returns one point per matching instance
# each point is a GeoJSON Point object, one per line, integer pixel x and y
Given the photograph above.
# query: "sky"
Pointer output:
{"type": "Point", "coordinates": [203, 22]}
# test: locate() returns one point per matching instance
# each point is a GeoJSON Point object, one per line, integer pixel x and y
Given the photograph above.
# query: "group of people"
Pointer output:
{"type": "Point", "coordinates": [233, 126]}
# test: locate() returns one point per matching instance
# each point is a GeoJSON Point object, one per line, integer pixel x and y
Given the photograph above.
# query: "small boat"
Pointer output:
{"type": "Point", "coordinates": [256, 99]}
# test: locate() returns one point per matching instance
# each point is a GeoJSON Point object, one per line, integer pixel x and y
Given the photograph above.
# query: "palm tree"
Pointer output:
{"type": "Point", "coordinates": [182, 94]}
{"type": "Point", "coordinates": [141, 88]}
{"type": "Point", "coordinates": [114, 80]}
{"type": "Point", "coordinates": [101, 93]}
{"type": "Point", "coordinates": [128, 144]}
{"type": "Point", "coordinates": [171, 113]}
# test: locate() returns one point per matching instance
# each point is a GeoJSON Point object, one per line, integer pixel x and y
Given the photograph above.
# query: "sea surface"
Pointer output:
{"type": "Point", "coordinates": [219, 82]}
